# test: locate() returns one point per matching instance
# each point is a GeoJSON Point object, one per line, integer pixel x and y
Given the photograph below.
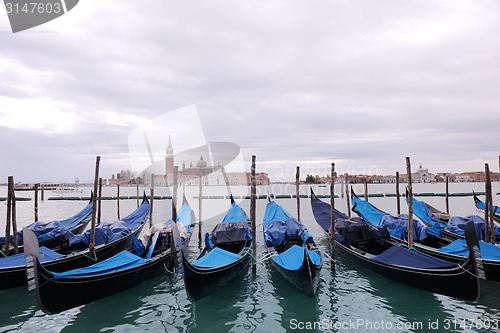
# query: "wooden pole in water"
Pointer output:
{"type": "Point", "coordinates": [152, 194]}
{"type": "Point", "coordinates": [174, 195]}
{"type": "Point", "coordinates": [118, 201]}
{"type": "Point", "coordinates": [447, 198]}
{"type": "Point", "coordinates": [332, 214]}
{"type": "Point", "coordinates": [488, 231]}
{"type": "Point", "coordinates": [297, 192]}
{"type": "Point", "coordinates": [43, 192]}
{"type": "Point", "coordinates": [366, 190]}
{"type": "Point", "coordinates": [36, 202]}
{"type": "Point", "coordinates": [410, 204]}
{"type": "Point", "coordinates": [398, 196]}
{"type": "Point", "coordinates": [9, 216]}
{"type": "Point", "coordinates": [200, 201]}
{"type": "Point", "coordinates": [14, 218]}
{"type": "Point", "coordinates": [347, 196]}
{"type": "Point", "coordinates": [94, 202]}
{"type": "Point", "coordinates": [99, 202]}
{"type": "Point", "coordinates": [253, 199]}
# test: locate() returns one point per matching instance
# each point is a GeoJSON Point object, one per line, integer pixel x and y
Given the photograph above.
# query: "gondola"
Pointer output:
{"type": "Point", "coordinates": [111, 238]}
{"type": "Point", "coordinates": [496, 211]}
{"type": "Point", "coordinates": [398, 225]}
{"type": "Point", "coordinates": [226, 255]}
{"type": "Point", "coordinates": [57, 292]}
{"type": "Point", "coordinates": [452, 226]}
{"type": "Point", "coordinates": [54, 234]}
{"type": "Point", "coordinates": [372, 248]}
{"type": "Point", "coordinates": [294, 253]}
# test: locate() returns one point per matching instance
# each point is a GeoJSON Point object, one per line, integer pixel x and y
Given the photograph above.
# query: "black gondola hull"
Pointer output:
{"type": "Point", "coordinates": [459, 282]}
{"type": "Point", "coordinates": [306, 278]}
{"type": "Point", "coordinates": [57, 295]}
{"type": "Point", "coordinates": [201, 282]}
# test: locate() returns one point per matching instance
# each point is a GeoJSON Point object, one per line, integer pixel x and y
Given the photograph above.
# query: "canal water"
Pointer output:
{"type": "Point", "coordinates": [350, 299]}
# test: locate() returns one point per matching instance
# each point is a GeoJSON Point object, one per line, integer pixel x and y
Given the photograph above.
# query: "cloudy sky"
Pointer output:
{"type": "Point", "coordinates": [359, 83]}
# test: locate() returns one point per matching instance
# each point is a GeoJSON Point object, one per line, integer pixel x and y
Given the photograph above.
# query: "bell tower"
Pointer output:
{"type": "Point", "coordinates": [169, 159]}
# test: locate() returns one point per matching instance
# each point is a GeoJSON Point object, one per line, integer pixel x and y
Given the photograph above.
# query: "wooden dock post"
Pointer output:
{"type": "Point", "coordinates": [94, 203]}
{"type": "Point", "coordinates": [253, 199]}
{"type": "Point", "coordinates": [366, 190]}
{"type": "Point", "coordinates": [347, 195]}
{"type": "Point", "coordinates": [447, 196]}
{"type": "Point", "coordinates": [174, 195]}
{"type": "Point", "coordinates": [488, 209]}
{"type": "Point", "coordinates": [398, 195]}
{"type": "Point", "coordinates": [200, 205]}
{"type": "Point", "coordinates": [14, 216]}
{"type": "Point", "coordinates": [118, 201]}
{"type": "Point", "coordinates": [99, 202]}
{"type": "Point", "coordinates": [152, 194]}
{"type": "Point", "coordinates": [410, 204]}
{"type": "Point", "coordinates": [8, 221]}
{"type": "Point", "coordinates": [36, 202]}
{"type": "Point", "coordinates": [332, 220]}
{"type": "Point", "coordinates": [43, 193]}
{"type": "Point", "coordinates": [297, 192]}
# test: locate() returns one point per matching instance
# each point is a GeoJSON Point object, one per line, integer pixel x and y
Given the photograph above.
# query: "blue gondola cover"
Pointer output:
{"type": "Point", "coordinates": [216, 258]}
{"type": "Point", "coordinates": [459, 247]}
{"type": "Point", "coordinates": [402, 256]}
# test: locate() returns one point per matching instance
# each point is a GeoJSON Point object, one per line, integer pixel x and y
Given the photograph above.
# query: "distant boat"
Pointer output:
{"type": "Point", "coordinates": [67, 190]}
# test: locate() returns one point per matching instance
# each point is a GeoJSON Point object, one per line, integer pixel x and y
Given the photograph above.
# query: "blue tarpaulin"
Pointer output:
{"type": "Point", "coordinates": [18, 259]}
{"type": "Point", "coordinates": [291, 259]}
{"type": "Point", "coordinates": [323, 214]}
{"type": "Point", "coordinates": [459, 248]}
{"type": "Point", "coordinates": [108, 232]}
{"type": "Point", "coordinates": [120, 261]}
{"type": "Point", "coordinates": [278, 225]}
{"type": "Point", "coordinates": [421, 210]}
{"type": "Point", "coordinates": [48, 230]}
{"type": "Point", "coordinates": [399, 255]}
{"type": "Point", "coordinates": [216, 258]}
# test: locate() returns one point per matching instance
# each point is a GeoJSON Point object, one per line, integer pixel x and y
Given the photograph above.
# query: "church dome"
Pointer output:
{"type": "Point", "coordinates": [201, 163]}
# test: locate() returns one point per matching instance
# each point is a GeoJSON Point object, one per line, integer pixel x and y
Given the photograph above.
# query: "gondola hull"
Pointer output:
{"type": "Point", "coordinates": [12, 277]}
{"type": "Point", "coordinates": [459, 282]}
{"type": "Point", "coordinates": [57, 295]}
{"type": "Point", "coordinates": [201, 282]}
{"type": "Point", "coordinates": [491, 267]}
{"type": "Point", "coordinates": [306, 278]}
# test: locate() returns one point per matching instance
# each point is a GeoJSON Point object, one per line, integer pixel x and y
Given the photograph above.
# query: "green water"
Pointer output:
{"type": "Point", "coordinates": [350, 299]}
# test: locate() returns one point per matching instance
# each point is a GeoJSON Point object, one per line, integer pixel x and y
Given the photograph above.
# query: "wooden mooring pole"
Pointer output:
{"type": "Point", "coordinates": [151, 195]}
{"type": "Point", "coordinates": [488, 209]}
{"type": "Point", "coordinates": [253, 199]}
{"type": "Point", "coordinates": [14, 215]}
{"type": "Point", "coordinates": [94, 203]}
{"type": "Point", "coordinates": [297, 191]}
{"type": "Point", "coordinates": [200, 205]}
{"type": "Point", "coordinates": [332, 220]}
{"type": "Point", "coordinates": [447, 196]}
{"type": "Point", "coordinates": [99, 202]}
{"type": "Point", "coordinates": [347, 195]}
{"type": "Point", "coordinates": [36, 202]}
{"type": "Point", "coordinates": [118, 201]}
{"type": "Point", "coordinates": [398, 195]}
{"type": "Point", "coordinates": [174, 195]}
{"type": "Point", "coordinates": [410, 204]}
{"type": "Point", "coordinates": [8, 220]}
{"type": "Point", "coordinates": [366, 190]}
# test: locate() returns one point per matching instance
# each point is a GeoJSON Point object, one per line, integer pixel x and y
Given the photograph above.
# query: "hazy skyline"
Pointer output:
{"type": "Point", "coordinates": [296, 83]}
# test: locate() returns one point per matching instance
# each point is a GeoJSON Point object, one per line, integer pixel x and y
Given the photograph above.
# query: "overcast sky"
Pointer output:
{"type": "Point", "coordinates": [296, 83]}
